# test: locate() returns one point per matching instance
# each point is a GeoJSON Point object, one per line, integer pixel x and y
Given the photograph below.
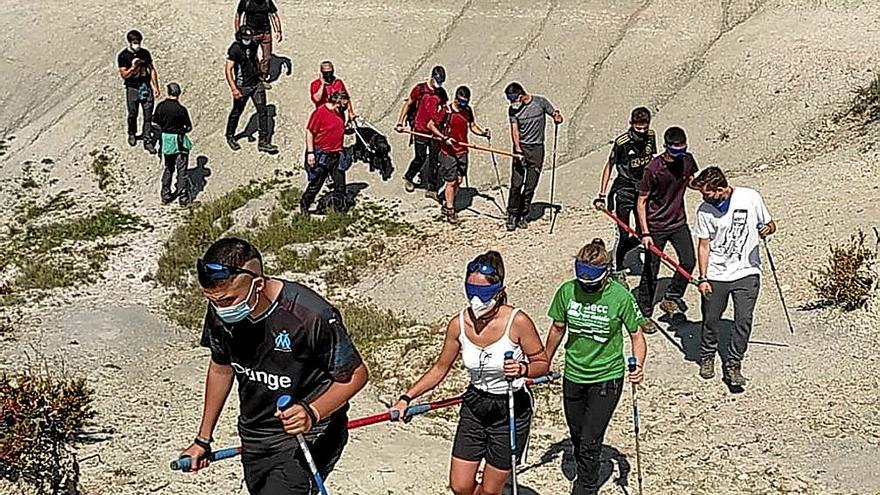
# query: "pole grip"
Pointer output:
{"type": "Point", "coordinates": [632, 363]}
{"type": "Point", "coordinates": [508, 355]}
{"type": "Point", "coordinates": [185, 463]}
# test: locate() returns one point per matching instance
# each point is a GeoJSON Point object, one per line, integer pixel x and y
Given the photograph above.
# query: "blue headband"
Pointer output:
{"type": "Point", "coordinates": [483, 292]}
{"type": "Point", "coordinates": [586, 272]}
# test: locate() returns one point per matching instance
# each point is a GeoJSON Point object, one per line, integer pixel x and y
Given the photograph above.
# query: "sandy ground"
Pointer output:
{"type": "Point", "coordinates": [758, 86]}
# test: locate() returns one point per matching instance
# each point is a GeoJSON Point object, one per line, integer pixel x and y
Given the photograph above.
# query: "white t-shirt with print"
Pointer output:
{"type": "Point", "coordinates": [733, 235]}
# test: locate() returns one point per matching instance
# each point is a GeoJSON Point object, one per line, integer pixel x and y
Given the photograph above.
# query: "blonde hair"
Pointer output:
{"type": "Point", "coordinates": [594, 253]}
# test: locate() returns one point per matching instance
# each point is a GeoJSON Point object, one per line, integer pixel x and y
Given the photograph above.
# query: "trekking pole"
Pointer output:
{"type": "Point", "coordinates": [511, 424]}
{"type": "Point", "coordinates": [419, 409]}
{"type": "Point", "coordinates": [776, 279]}
{"type": "Point", "coordinates": [632, 362]}
{"type": "Point", "coordinates": [665, 258]}
{"type": "Point", "coordinates": [553, 210]}
{"type": "Point", "coordinates": [184, 463]}
{"type": "Point", "coordinates": [467, 145]}
{"type": "Point", "coordinates": [283, 403]}
{"type": "Point", "coordinates": [498, 176]}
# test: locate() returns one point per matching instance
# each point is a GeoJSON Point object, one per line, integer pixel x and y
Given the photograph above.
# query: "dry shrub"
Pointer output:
{"type": "Point", "coordinates": [41, 415]}
{"type": "Point", "coordinates": [848, 279]}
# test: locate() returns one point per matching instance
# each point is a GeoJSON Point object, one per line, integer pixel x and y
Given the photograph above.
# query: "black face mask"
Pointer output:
{"type": "Point", "coordinates": [593, 287]}
{"type": "Point", "coordinates": [638, 135]}
{"type": "Point", "coordinates": [328, 77]}
{"type": "Point", "coordinates": [343, 108]}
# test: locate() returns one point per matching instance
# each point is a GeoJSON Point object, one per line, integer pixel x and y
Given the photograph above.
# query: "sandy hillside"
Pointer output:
{"type": "Point", "coordinates": [762, 87]}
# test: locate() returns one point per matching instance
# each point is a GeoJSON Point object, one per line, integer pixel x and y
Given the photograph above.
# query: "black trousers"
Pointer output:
{"type": "Point", "coordinates": [622, 201]}
{"type": "Point", "coordinates": [326, 165]}
{"type": "Point", "coordinates": [681, 241]}
{"type": "Point", "coordinates": [258, 95]}
{"type": "Point", "coordinates": [424, 163]}
{"type": "Point", "coordinates": [287, 473]}
{"type": "Point", "coordinates": [134, 103]}
{"type": "Point", "coordinates": [745, 294]}
{"type": "Point", "coordinates": [524, 179]}
{"type": "Point", "coordinates": [588, 410]}
{"type": "Point", "coordinates": [176, 163]}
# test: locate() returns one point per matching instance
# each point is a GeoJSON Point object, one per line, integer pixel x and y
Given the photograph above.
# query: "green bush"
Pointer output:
{"type": "Point", "coordinates": [848, 278]}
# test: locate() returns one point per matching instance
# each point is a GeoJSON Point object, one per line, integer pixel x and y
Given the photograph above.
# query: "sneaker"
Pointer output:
{"type": "Point", "coordinates": [268, 148]}
{"type": "Point", "coordinates": [132, 140]}
{"type": "Point", "coordinates": [669, 306]}
{"type": "Point", "coordinates": [511, 223]}
{"type": "Point", "coordinates": [408, 185]}
{"type": "Point", "coordinates": [266, 85]}
{"type": "Point", "coordinates": [522, 223]}
{"type": "Point", "coordinates": [451, 216]}
{"type": "Point", "coordinates": [733, 374]}
{"type": "Point", "coordinates": [432, 195]}
{"type": "Point", "coordinates": [651, 327]}
{"type": "Point", "coordinates": [707, 368]}
{"type": "Point", "coordinates": [233, 143]}
{"type": "Point", "coordinates": [149, 148]}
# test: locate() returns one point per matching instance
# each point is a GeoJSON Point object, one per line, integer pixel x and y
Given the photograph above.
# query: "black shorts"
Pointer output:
{"type": "Point", "coordinates": [452, 167]}
{"type": "Point", "coordinates": [287, 473]}
{"type": "Point", "coordinates": [483, 428]}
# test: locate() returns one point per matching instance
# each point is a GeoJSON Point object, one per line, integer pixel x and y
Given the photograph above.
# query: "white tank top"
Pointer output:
{"type": "Point", "coordinates": [486, 364]}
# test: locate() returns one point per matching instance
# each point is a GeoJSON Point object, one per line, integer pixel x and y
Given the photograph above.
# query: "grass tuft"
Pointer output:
{"type": "Point", "coordinates": [848, 278]}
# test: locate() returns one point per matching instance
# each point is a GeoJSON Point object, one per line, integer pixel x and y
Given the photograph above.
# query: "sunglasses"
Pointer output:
{"type": "Point", "coordinates": [212, 272]}
{"type": "Point", "coordinates": [483, 268]}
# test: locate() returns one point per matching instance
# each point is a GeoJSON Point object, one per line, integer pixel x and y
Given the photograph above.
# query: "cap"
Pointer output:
{"type": "Point", "coordinates": [174, 89]}
{"type": "Point", "coordinates": [245, 31]}
{"type": "Point", "coordinates": [439, 73]}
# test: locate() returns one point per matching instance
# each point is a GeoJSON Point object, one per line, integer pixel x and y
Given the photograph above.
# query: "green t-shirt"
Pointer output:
{"type": "Point", "coordinates": [594, 350]}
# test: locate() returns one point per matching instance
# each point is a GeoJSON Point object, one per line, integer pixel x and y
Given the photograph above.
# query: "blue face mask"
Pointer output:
{"type": "Point", "coordinates": [236, 312]}
{"type": "Point", "coordinates": [512, 97]}
{"type": "Point", "coordinates": [676, 152]}
{"type": "Point", "coordinates": [462, 103]}
{"type": "Point", "coordinates": [721, 204]}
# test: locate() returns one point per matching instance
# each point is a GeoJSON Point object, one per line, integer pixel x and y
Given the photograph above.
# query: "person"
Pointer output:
{"type": "Point", "coordinates": [418, 109]}
{"type": "Point", "coordinates": [173, 121]}
{"type": "Point", "coordinates": [482, 333]}
{"type": "Point", "coordinates": [593, 309]}
{"type": "Point", "coordinates": [325, 133]}
{"type": "Point", "coordinates": [730, 223]}
{"type": "Point", "coordinates": [262, 17]}
{"type": "Point", "coordinates": [274, 337]}
{"type": "Point", "coordinates": [141, 81]}
{"type": "Point", "coordinates": [527, 116]}
{"type": "Point", "coordinates": [326, 84]}
{"type": "Point", "coordinates": [662, 219]}
{"type": "Point", "coordinates": [243, 77]}
{"type": "Point", "coordinates": [630, 154]}
{"type": "Point", "coordinates": [452, 126]}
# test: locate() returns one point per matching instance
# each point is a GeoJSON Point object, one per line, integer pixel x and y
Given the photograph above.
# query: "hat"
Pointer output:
{"type": "Point", "coordinates": [174, 89]}
{"type": "Point", "coordinates": [338, 96]}
{"type": "Point", "coordinates": [245, 31]}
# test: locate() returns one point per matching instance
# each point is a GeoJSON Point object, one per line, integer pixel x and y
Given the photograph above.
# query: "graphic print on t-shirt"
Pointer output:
{"type": "Point", "coordinates": [589, 320]}
{"type": "Point", "coordinates": [736, 237]}
{"type": "Point", "coordinates": [282, 341]}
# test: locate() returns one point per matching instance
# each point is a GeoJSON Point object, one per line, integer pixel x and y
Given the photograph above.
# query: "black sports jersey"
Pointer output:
{"type": "Point", "coordinates": [630, 156]}
{"type": "Point", "coordinates": [299, 347]}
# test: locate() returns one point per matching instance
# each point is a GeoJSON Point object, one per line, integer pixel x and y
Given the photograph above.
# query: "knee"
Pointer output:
{"type": "Point", "coordinates": [461, 486]}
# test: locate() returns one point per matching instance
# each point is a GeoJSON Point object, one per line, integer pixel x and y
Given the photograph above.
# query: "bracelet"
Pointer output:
{"type": "Point", "coordinates": [701, 279]}
{"type": "Point", "coordinates": [602, 195]}
{"type": "Point", "coordinates": [311, 412]}
{"type": "Point", "coordinates": [405, 398]}
{"type": "Point", "coordinates": [646, 234]}
{"type": "Point", "coordinates": [310, 152]}
{"type": "Point", "coordinates": [204, 443]}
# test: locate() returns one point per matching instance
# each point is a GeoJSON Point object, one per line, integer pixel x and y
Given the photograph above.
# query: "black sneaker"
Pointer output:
{"type": "Point", "coordinates": [511, 223]}
{"type": "Point", "coordinates": [707, 368]}
{"type": "Point", "coordinates": [132, 140]}
{"type": "Point", "coordinates": [149, 148]}
{"type": "Point", "coordinates": [733, 374]}
{"type": "Point", "coordinates": [233, 144]}
{"type": "Point", "coordinates": [268, 148]}
{"type": "Point", "coordinates": [408, 185]}
{"type": "Point", "coordinates": [522, 223]}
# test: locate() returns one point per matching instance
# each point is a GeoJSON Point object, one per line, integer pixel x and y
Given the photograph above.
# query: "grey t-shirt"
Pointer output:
{"type": "Point", "coordinates": [531, 118]}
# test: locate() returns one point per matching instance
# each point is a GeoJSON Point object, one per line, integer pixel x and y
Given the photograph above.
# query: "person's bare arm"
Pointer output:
{"type": "Point", "coordinates": [435, 130]}
{"type": "Point", "coordinates": [319, 94]}
{"type": "Point", "coordinates": [403, 111]}
{"type": "Point", "coordinates": [340, 393]}
{"type": "Point", "coordinates": [275, 18]}
{"type": "Point", "coordinates": [554, 337]}
{"type": "Point", "coordinates": [441, 367]}
{"type": "Point", "coordinates": [642, 210]}
{"type": "Point", "coordinates": [230, 79]}
{"type": "Point", "coordinates": [640, 351]}
{"type": "Point", "coordinates": [154, 81]}
{"type": "Point", "coordinates": [218, 384]}
{"type": "Point", "coordinates": [128, 72]}
{"type": "Point", "coordinates": [479, 131]}
{"type": "Point", "coordinates": [526, 335]}
{"type": "Point", "coordinates": [310, 148]}
{"type": "Point", "coordinates": [703, 257]}
{"type": "Point", "coordinates": [237, 20]}
{"type": "Point", "coordinates": [514, 137]}
{"type": "Point", "coordinates": [606, 178]}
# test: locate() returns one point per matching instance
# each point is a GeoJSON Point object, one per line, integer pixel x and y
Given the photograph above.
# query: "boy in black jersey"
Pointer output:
{"type": "Point", "coordinates": [631, 152]}
{"type": "Point", "coordinates": [274, 337]}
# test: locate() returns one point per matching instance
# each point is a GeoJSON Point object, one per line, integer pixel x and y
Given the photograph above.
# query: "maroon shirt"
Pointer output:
{"type": "Point", "coordinates": [665, 184]}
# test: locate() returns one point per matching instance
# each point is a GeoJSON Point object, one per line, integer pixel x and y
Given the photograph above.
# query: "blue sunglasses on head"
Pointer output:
{"type": "Point", "coordinates": [211, 272]}
{"type": "Point", "coordinates": [483, 268]}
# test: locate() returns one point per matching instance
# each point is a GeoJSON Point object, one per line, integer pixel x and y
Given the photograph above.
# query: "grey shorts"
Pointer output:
{"type": "Point", "coordinates": [452, 167]}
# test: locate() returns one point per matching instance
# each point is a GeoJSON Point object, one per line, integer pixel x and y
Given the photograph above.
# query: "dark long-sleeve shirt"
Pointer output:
{"type": "Point", "coordinates": [172, 117]}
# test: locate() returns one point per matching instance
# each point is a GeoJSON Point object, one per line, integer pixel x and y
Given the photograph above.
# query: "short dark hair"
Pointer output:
{"type": "Point", "coordinates": [640, 115]}
{"type": "Point", "coordinates": [514, 88]}
{"type": "Point", "coordinates": [438, 72]}
{"type": "Point", "coordinates": [232, 251]}
{"type": "Point", "coordinates": [337, 96]}
{"type": "Point", "coordinates": [493, 259]}
{"type": "Point", "coordinates": [710, 178]}
{"type": "Point", "coordinates": [134, 35]}
{"type": "Point", "coordinates": [463, 92]}
{"type": "Point", "coordinates": [327, 62]}
{"type": "Point", "coordinates": [674, 135]}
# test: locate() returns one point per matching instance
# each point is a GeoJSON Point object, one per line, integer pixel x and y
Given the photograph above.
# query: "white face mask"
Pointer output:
{"type": "Point", "coordinates": [246, 42]}
{"type": "Point", "coordinates": [481, 308]}
{"type": "Point", "coordinates": [135, 47]}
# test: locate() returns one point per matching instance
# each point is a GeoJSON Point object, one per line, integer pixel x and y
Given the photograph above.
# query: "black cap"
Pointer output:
{"type": "Point", "coordinates": [245, 31]}
{"type": "Point", "coordinates": [174, 89]}
{"type": "Point", "coordinates": [439, 73]}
